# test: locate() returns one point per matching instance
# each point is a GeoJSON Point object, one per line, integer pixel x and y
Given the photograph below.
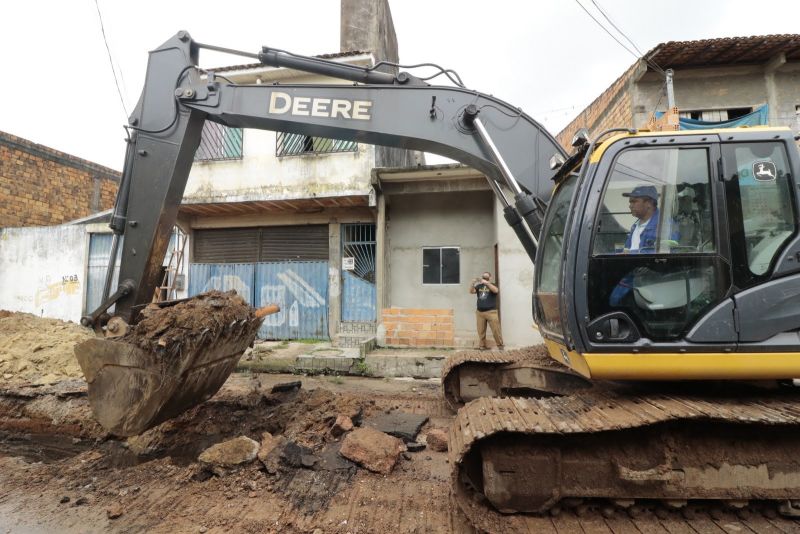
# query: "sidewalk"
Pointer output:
{"type": "Point", "coordinates": [322, 357]}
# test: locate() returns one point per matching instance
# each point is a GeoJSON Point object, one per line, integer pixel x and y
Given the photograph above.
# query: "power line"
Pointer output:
{"type": "Point", "coordinates": [110, 61]}
{"type": "Point", "coordinates": [631, 52]}
{"type": "Point", "coordinates": [653, 64]}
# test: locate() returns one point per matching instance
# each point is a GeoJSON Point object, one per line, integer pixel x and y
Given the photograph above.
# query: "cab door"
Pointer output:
{"type": "Point", "coordinates": [652, 255]}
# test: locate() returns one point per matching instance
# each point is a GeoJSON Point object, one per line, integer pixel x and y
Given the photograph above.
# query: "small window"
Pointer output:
{"type": "Point", "coordinates": [441, 265]}
{"type": "Point", "coordinates": [219, 143]}
{"type": "Point", "coordinates": [292, 144]}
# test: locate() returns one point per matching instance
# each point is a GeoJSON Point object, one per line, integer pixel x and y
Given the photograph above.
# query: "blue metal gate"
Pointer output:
{"type": "Point", "coordinates": [299, 288]}
{"type": "Point", "coordinates": [358, 278]}
{"type": "Point", "coordinates": [222, 276]}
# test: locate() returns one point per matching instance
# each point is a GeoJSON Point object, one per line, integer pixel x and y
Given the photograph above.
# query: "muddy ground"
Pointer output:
{"type": "Point", "coordinates": [60, 472]}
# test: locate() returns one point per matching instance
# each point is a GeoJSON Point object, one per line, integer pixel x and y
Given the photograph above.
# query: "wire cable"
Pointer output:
{"type": "Point", "coordinates": [450, 73]}
{"type": "Point", "coordinates": [602, 26]}
{"type": "Point", "coordinates": [110, 61]}
{"type": "Point", "coordinates": [653, 64]}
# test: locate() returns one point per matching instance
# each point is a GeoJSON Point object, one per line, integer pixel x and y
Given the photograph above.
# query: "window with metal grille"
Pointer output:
{"type": "Point", "coordinates": [219, 143]}
{"type": "Point", "coordinates": [292, 144]}
{"type": "Point", "coordinates": [441, 265]}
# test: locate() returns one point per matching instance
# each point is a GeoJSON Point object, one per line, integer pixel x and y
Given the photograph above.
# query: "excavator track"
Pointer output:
{"type": "Point", "coordinates": [608, 450]}
{"type": "Point", "coordinates": [528, 372]}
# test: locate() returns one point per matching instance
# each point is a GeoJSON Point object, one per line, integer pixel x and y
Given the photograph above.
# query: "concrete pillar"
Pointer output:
{"type": "Point", "coordinates": [769, 80]}
{"type": "Point", "coordinates": [366, 25]}
{"type": "Point", "coordinates": [334, 278]}
{"type": "Point", "coordinates": [381, 289]}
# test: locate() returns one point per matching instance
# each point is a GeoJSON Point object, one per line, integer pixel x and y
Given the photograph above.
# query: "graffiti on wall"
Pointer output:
{"type": "Point", "coordinates": [49, 292]}
{"type": "Point", "coordinates": [304, 295]}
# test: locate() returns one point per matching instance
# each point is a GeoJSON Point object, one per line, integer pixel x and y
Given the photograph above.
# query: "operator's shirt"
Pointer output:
{"type": "Point", "coordinates": [636, 234]}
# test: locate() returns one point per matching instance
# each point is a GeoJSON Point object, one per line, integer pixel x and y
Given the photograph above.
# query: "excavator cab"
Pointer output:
{"type": "Point", "coordinates": [675, 255]}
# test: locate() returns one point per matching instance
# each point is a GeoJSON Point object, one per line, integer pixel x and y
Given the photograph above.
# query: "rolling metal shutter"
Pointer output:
{"type": "Point", "coordinates": [268, 243]}
{"type": "Point", "coordinates": [281, 243]}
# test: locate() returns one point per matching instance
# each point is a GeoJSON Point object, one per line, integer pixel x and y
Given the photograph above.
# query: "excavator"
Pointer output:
{"type": "Point", "coordinates": [671, 335]}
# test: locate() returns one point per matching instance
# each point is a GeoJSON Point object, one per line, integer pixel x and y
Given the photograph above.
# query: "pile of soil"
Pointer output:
{"type": "Point", "coordinates": [38, 350]}
{"type": "Point", "coordinates": [197, 320]}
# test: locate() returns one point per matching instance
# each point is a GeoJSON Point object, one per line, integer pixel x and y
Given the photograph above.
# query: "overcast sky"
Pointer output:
{"type": "Point", "coordinates": [545, 56]}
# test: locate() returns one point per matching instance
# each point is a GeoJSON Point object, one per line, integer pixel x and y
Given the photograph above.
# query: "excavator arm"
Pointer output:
{"type": "Point", "coordinates": [135, 384]}
{"type": "Point", "coordinates": [396, 110]}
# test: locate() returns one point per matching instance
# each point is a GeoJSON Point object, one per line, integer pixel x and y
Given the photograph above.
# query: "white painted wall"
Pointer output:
{"type": "Point", "coordinates": [43, 270]}
{"type": "Point", "coordinates": [515, 277]}
{"type": "Point", "coordinates": [261, 175]}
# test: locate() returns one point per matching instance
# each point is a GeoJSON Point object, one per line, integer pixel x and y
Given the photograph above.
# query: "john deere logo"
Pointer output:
{"type": "Point", "coordinates": [565, 356]}
{"type": "Point", "coordinates": [764, 171]}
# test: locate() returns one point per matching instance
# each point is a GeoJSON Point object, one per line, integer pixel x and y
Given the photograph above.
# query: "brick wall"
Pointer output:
{"type": "Point", "coordinates": [40, 186]}
{"type": "Point", "coordinates": [418, 327]}
{"type": "Point", "coordinates": [612, 109]}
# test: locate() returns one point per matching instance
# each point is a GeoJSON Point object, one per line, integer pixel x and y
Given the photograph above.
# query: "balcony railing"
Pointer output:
{"type": "Point", "coordinates": [291, 144]}
{"type": "Point", "coordinates": [219, 143]}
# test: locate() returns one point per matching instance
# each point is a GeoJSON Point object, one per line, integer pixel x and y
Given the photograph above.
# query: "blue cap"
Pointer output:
{"type": "Point", "coordinates": [646, 191]}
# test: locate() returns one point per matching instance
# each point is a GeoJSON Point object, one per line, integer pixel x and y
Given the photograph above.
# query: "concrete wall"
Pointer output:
{"type": "Point", "coordinates": [515, 276]}
{"type": "Point", "coordinates": [462, 219]}
{"type": "Point", "coordinates": [44, 270]}
{"type": "Point", "coordinates": [718, 88]}
{"type": "Point", "coordinates": [260, 175]}
{"type": "Point", "coordinates": [40, 186]}
{"type": "Point", "coordinates": [366, 25]}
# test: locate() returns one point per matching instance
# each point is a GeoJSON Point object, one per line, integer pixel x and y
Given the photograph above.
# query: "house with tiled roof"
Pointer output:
{"type": "Point", "coordinates": [752, 80]}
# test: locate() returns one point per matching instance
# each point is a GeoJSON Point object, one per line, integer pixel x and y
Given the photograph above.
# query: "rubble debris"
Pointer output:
{"type": "Point", "coordinates": [286, 386]}
{"type": "Point", "coordinates": [114, 511]}
{"type": "Point", "coordinates": [64, 500]}
{"type": "Point", "coordinates": [402, 425]}
{"type": "Point", "coordinates": [342, 425]}
{"type": "Point", "coordinates": [268, 443]}
{"type": "Point", "coordinates": [372, 449]}
{"type": "Point", "coordinates": [231, 453]}
{"type": "Point", "coordinates": [415, 446]}
{"type": "Point", "coordinates": [437, 439]}
{"type": "Point", "coordinates": [295, 455]}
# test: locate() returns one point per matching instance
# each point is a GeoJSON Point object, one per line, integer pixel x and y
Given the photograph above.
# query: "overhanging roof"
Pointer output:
{"type": "Point", "coordinates": [301, 205]}
{"type": "Point", "coordinates": [725, 51]}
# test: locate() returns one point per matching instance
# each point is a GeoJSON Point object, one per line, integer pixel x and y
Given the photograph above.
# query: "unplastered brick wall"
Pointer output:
{"type": "Point", "coordinates": [612, 109]}
{"type": "Point", "coordinates": [40, 186]}
{"type": "Point", "coordinates": [418, 327]}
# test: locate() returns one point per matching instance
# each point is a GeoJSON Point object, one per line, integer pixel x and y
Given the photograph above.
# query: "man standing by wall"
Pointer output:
{"type": "Point", "coordinates": [487, 309]}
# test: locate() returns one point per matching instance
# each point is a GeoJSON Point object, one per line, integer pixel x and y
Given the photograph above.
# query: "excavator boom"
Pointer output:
{"type": "Point", "coordinates": [132, 390]}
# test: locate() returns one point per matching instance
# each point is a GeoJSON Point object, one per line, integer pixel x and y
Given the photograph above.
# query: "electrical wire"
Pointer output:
{"type": "Point", "coordinates": [110, 61]}
{"type": "Point", "coordinates": [631, 52]}
{"type": "Point", "coordinates": [653, 64]}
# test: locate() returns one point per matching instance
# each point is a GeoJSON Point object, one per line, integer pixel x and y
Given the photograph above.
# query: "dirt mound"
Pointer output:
{"type": "Point", "coordinates": [39, 350]}
{"type": "Point", "coordinates": [199, 319]}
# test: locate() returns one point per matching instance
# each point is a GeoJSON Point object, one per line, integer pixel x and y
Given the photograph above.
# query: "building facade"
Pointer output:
{"type": "Point", "coordinates": [40, 186]}
{"type": "Point", "coordinates": [715, 80]}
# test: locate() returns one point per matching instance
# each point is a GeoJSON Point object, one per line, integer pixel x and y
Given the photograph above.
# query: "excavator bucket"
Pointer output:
{"type": "Point", "coordinates": [173, 359]}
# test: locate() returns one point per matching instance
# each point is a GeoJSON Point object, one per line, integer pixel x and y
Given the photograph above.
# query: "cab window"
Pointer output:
{"type": "Point", "coordinates": [654, 251]}
{"type": "Point", "coordinates": [657, 201]}
{"type": "Point", "coordinates": [758, 192]}
{"type": "Point", "coordinates": [551, 241]}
